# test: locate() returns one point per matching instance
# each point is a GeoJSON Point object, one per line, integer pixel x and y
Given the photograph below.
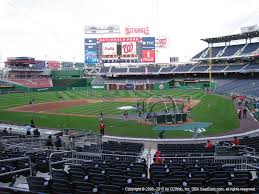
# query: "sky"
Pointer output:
{"type": "Point", "coordinates": [54, 29]}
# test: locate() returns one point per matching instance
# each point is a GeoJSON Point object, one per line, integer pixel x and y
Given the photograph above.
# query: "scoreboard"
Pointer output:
{"type": "Point", "coordinates": [120, 50]}
{"type": "Point", "coordinates": [121, 44]}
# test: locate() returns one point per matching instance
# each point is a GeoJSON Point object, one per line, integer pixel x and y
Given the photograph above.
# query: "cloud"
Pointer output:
{"type": "Point", "coordinates": [55, 27]}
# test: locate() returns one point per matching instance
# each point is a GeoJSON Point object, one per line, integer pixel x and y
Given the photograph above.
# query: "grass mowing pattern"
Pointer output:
{"type": "Point", "coordinates": [220, 112]}
{"type": "Point", "coordinates": [217, 110]}
{"type": "Point", "coordinates": [111, 108]}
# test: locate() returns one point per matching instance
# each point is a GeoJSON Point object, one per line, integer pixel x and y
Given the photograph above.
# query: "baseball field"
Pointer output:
{"type": "Point", "coordinates": [79, 110]}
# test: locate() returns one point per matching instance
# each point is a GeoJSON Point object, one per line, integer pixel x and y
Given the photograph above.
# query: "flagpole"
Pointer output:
{"type": "Point", "coordinates": [210, 63]}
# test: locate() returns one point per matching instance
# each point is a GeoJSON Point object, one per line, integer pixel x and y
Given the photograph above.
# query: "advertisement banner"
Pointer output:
{"type": "Point", "coordinates": [91, 50]}
{"type": "Point", "coordinates": [39, 64]}
{"type": "Point", "coordinates": [125, 39]}
{"type": "Point", "coordinates": [91, 57]}
{"type": "Point", "coordinates": [128, 48]}
{"type": "Point", "coordinates": [161, 42]}
{"type": "Point", "coordinates": [102, 29]}
{"type": "Point", "coordinates": [67, 65]}
{"type": "Point", "coordinates": [148, 43]}
{"type": "Point", "coordinates": [129, 86]}
{"type": "Point", "coordinates": [98, 86]}
{"type": "Point", "coordinates": [91, 47]}
{"type": "Point", "coordinates": [148, 56]}
{"type": "Point", "coordinates": [90, 41]}
{"type": "Point", "coordinates": [109, 48]}
{"type": "Point", "coordinates": [53, 64]}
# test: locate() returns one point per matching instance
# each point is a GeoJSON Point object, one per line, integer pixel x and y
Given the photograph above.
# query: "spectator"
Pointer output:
{"type": "Point", "coordinates": [209, 145]}
{"type": "Point", "coordinates": [102, 127]}
{"type": "Point", "coordinates": [58, 142]}
{"type": "Point", "coordinates": [239, 102]}
{"type": "Point", "coordinates": [49, 141]}
{"type": "Point", "coordinates": [36, 133]}
{"type": "Point", "coordinates": [236, 141]}
{"type": "Point", "coordinates": [158, 157]}
{"type": "Point", "coordinates": [244, 112]}
{"type": "Point", "coordinates": [28, 132]}
{"type": "Point", "coordinates": [5, 132]}
{"type": "Point", "coordinates": [10, 129]}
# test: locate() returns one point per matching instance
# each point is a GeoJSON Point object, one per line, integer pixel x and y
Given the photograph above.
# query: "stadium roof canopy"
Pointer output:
{"type": "Point", "coordinates": [229, 38]}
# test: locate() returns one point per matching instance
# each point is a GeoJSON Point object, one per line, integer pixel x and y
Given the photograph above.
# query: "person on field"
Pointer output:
{"type": "Point", "coordinates": [239, 113]}
{"type": "Point", "coordinates": [189, 110]}
{"type": "Point", "coordinates": [102, 127]}
{"type": "Point", "coordinates": [244, 112]}
{"type": "Point", "coordinates": [161, 134]}
{"type": "Point", "coordinates": [32, 123]}
{"type": "Point", "coordinates": [125, 114]}
{"type": "Point", "coordinates": [101, 116]}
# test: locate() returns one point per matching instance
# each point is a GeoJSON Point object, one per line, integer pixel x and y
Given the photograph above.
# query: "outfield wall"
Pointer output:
{"type": "Point", "coordinates": [67, 74]}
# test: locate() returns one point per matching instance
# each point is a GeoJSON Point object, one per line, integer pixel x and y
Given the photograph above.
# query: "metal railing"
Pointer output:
{"type": "Point", "coordinates": [20, 170]}
{"type": "Point", "coordinates": [73, 157]}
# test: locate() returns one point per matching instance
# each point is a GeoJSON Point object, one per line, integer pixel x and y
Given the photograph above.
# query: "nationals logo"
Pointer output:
{"type": "Point", "coordinates": [127, 48]}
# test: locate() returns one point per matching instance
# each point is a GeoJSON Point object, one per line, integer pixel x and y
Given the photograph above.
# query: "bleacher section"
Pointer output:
{"type": "Point", "coordinates": [250, 48]}
{"type": "Point", "coordinates": [118, 70]}
{"type": "Point", "coordinates": [218, 68]}
{"type": "Point", "coordinates": [134, 81]}
{"type": "Point", "coordinates": [200, 68]}
{"type": "Point", "coordinates": [251, 68]}
{"type": "Point", "coordinates": [153, 69]}
{"type": "Point", "coordinates": [183, 68]}
{"type": "Point", "coordinates": [240, 86]}
{"type": "Point", "coordinates": [33, 82]}
{"type": "Point", "coordinates": [104, 70]}
{"type": "Point", "coordinates": [229, 51]}
{"type": "Point", "coordinates": [200, 53]}
{"type": "Point", "coordinates": [3, 83]}
{"type": "Point", "coordinates": [234, 68]}
{"type": "Point", "coordinates": [187, 68]}
{"type": "Point", "coordinates": [137, 70]}
{"type": "Point", "coordinates": [215, 51]}
{"type": "Point", "coordinates": [167, 69]}
{"type": "Point", "coordinates": [111, 171]}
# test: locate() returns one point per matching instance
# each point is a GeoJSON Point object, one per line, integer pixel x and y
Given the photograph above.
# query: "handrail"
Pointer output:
{"type": "Point", "coordinates": [20, 170]}
{"type": "Point", "coordinates": [75, 157]}
{"type": "Point", "coordinates": [55, 153]}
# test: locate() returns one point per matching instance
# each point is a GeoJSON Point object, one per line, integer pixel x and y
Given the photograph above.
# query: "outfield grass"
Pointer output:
{"type": "Point", "coordinates": [215, 109]}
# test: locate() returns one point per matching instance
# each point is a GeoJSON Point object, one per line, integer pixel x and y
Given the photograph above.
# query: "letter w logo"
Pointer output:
{"type": "Point", "coordinates": [127, 48]}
